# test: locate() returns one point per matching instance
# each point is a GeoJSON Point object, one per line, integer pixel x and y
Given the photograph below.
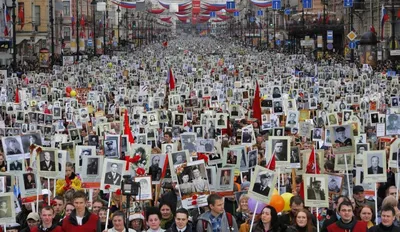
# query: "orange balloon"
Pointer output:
{"type": "Point", "coordinates": [277, 202]}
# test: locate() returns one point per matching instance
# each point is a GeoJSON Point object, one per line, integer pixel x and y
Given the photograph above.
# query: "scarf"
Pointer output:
{"type": "Point", "coordinates": [165, 221]}
{"type": "Point", "coordinates": [347, 226]}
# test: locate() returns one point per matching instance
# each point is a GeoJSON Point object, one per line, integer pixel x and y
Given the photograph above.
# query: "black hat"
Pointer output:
{"type": "Point", "coordinates": [339, 129]}
{"type": "Point", "coordinates": [357, 189]}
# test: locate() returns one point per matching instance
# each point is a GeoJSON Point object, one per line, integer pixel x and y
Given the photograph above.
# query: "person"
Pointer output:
{"type": "Point", "coordinates": [5, 210]}
{"type": "Point", "coordinates": [185, 186]}
{"type": "Point", "coordinates": [216, 219]}
{"type": "Point", "coordinates": [243, 211]}
{"type": "Point", "coordinates": [333, 186]}
{"type": "Point", "coordinates": [388, 216]}
{"type": "Point", "coordinates": [252, 159]}
{"type": "Point", "coordinates": [332, 119]}
{"type": "Point", "coordinates": [29, 182]}
{"type": "Point", "coordinates": [294, 156]}
{"type": "Point", "coordinates": [113, 177]}
{"type": "Point", "coordinates": [246, 137]}
{"type": "Point", "coordinates": [392, 124]}
{"type": "Point", "coordinates": [278, 151]}
{"type": "Point", "coordinates": [296, 204]}
{"type": "Point", "coordinates": [71, 180]}
{"type": "Point", "coordinates": [80, 219]}
{"type": "Point", "coordinates": [16, 166]}
{"type": "Point", "coordinates": [33, 220]}
{"type": "Point", "coordinates": [153, 219]}
{"type": "Point", "coordinates": [200, 184]}
{"type": "Point", "coordinates": [47, 164]}
{"type": "Point", "coordinates": [335, 217]}
{"type": "Point", "coordinates": [360, 200]}
{"type": "Point", "coordinates": [58, 206]}
{"type": "Point", "coordinates": [314, 192]}
{"type": "Point", "coordinates": [155, 171]}
{"type": "Point", "coordinates": [292, 119]}
{"type": "Point", "coordinates": [317, 133]}
{"type": "Point", "coordinates": [225, 179]}
{"type": "Point", "coordinates": [47, 215]}
{"type": "Point", "coordinates": [97, 205]}
{"type": "Point", "coordinates": [118, 222]}
{"type": "Point", "coordinates": [262, 187]}
{"type": "Point", "coordinates": [92, 167]}
{"type": "Point", "coordinates": [347, 221]}
{"type": "Point", "coordinates": [167, 217]}
{"type": "Point", "coordinates": [109, 151]}
{"type": "Point", "coordinates": [13, 147]}
{"type": "Point", "coordinates": [341, 138]}
{"type": "Point", "coordinates": [179, 159]}
{"type": "Point", "coordinates": [366, 215]}
{"type": "Point", "coordinates": [181, 223]}
{"type": "Point", "coordinates": [136, 222]}
{"type": "Point", "coordinates": [268, 221]}
{"type": "Point", "coordinates": [231, 159]}
{"type": "Point", "coordinates": [375, 168]}
{"type": "Point", "coordinates": [221, 121]}
{"type": "Point", "coordinates": [302, 222]}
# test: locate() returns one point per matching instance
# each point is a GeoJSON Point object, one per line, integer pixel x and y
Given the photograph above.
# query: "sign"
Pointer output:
{"type": "Point", "coordinates": [329, 36]}
{"type": "Point", "coordinates": [252, 19]}
{"type": "Point", "coordinates": [278, 42]}
{"type": "Point", "coordinates": [260, 13]}
{"type": "Point", "coordinates": [236, 13]}
{"type": "Point", "coordinates": [395, 52]}
{"type": "Point", "coordinates": [287, 11]}
{"type": "Point", "coordinates": [319, 41]}
{"type": "Point", "coordinates": [329, 46]}
{"type": "Point", "coordinates": [307, 43]}
{"type": "Point", "coordinates": [196, 7]}
{"type": "Point", "coordinates": [276, 4]}
{"type": "Point", "coordinates": [352, 45]}
{"type": "Point", "coordinates": [352, 36]}
{"type": "Point", "coordinates": [90, 42]}
{"type": "Point", "coordinates": [44, 56]}
{"type": "Point", "coordinates": [348, 3]}
{"type": "Point", "coordinates": [212, 14]}
{"type": "Point", "coordinates": [307, 4]}
{"type": "Point", "coordinates": [229, 5]}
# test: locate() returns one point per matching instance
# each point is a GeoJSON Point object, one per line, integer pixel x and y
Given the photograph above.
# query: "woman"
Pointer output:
{"type": "Point", "coordinates": [103, 219]}
{"type": "Point", "coordinates": [268, 222]}
{"type": "Point", "coordinates": [185, 186]}
{"type": "Point", "coordinates": [153, 219]}
{"type": "Point", "coordinates": [71, 180]}
{"type": "Point", "coordinates": [367, 215]}
{"type": "Point", "coordinates": [302, 223]}
{"type": "Point", "coordinates": [118, 220]}
{"type": "Point", "coordinates": [242, 212]}
{"type": "Point", "coordinates": [68, 209]}
{"type": "Point", "coordinates": [167, 217]}
{"type": "Point", "coordinates": [136, 222]}
{"type": "Point", "coordinates": [30, 181]}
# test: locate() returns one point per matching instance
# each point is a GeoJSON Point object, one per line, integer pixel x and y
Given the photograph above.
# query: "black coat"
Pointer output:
{"type": "Point", "coordinates": [174, 229]}
{"type": "Point", "coordinates": [330, 221]}
{"type": "Point", "coordinates": [382, 228]}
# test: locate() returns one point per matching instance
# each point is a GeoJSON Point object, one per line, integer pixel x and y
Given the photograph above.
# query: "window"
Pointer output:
{"type": "Point", "coordinates": [37, 15]}
{"type": "Point", "coordinates": [66, 8]}
{"type": "Point", "coordinates": [67, 33]}
{"type": "Point", "coordinates": [20, 13]}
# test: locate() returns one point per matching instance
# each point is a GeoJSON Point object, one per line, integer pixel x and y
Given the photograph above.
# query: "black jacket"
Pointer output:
{"type": "Point", "coordinates": [328, 222]}
{"type": "Point", "coordinates": [382, 228]}
{"type": "Point", "coordinates": [173, 228]}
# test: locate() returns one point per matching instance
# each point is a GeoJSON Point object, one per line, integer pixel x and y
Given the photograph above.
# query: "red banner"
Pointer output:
{"type": "Point", "coordinates": [195, 7]}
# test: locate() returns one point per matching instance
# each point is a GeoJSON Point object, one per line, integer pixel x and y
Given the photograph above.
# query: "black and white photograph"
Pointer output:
{"type": "Point", "coordinates": [179, 157]}
{"type": "Point", "coordinates": [198, 129]}
{"type": "Point", "coordinates": [30, 184]}
{"type": "Point", "coordinates": [111, 148]}
{"type": "Point", "coordinates": [12, 146]}
{"type": "Point", "coordinates": [295, 160]}
{"type": "Point", "coordinates": [316, 190]}
{"type": "Point", "coordinates": [93, 140]}
{"type": "Point", "coordinates": [145, 188]}
{"type": "Point", "coordinates": [280, 148]}
{"type": "Point", "coordinates": [16, 166]}
{"type": "Point", "coordinates": [29, 139]}
{"type": "Point", "coordinates": [359, 152]}
{"type": "Point", "coordinates": [3, 187]}
{"type": "Point", "coordinates": [252, 158]}
{"type": "Point", "coordinates": [278, 131]}
{"type": "Point", "coordinates": [317, 134]}
{"type": "Point", "coordinates": [374, 117]}
{"type": "Point", "coordinates": [225, 177]}
{"type": "Point", "coordinates": [346, 116]}
{"type": "Point", "coordinates": [212, 177]}
{"type": "Point", "coordinates": [341, 159]}
{"type": "Point", "coordinates": [74, 135]}
{"type": "Point", "coordinates": [335, 183]}
{"type": "Point", "coordinates": [91, 168]}
{"type": "Point", "coordinates": [392, 124]}
{"type": "Point", "coordinates": [178, 119]}
{"type": "Point", "coordinates": [247, 136]}
{"type": "Point", "coordinates": [374, 166]}
{"type": "Point", "coordinates": [62, 157]}
{"type": "Point", "coordinates": [48, 162]}
{"type": "Point", "coordinates": [205, 145]}
{"type": "Point", "coordinates": [221, 120]}
{"type": "Point", "coordinates": [141, 139]}
{"type": "Point", "coordinates": [144, 152]}
{"type": "Point", "coordinates": [292, 118]}
{"type": "Point", "coordinates": [155, 166]}
{"type": "Point", "coordinates": [112, 174]}
{"type": "Point", "coordinates": [167, 148]}
{"type": "Point", "coordinates": [262, 184]}
{"type": "Point", "coordinates": [192, 179]}
{"type": "Point", "coordinates": [80, 152]}
{"type": "Point", "coordinates": [188, 141]}
{"type": "Point", "coordinates": [232, 157]}
{"type": "Point", "coordinates": [7, 208]}
{"type": "Point", "coordinates": [342, 139]}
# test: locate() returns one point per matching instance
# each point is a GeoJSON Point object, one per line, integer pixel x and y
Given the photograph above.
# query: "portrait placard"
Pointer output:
{"type": "Point", "coordinates": [212, 177]}
{"type": "Point", "coordinates": [340, 162]}
{"type": "Point", "coordinates": [7, 208]}
{"type": "Point", "coordinates": [262, 184]}
{"type": "Point", "coordinates": [16, 166]}
{"type": "Point", "coordinates": [225, 177]}
{"type": "Point", "coordinates": [335, 184]}
{"type": "Point", "coordinates": [232, 157]}
{"type": "Point", "coordinates": [279, 146]}
{"type": "Point", "coordinates": [145, 188]}
{"type": "Point", "coordinates": [80, 152]}
{"type": "Point", "coordinates": [91, 168]}
{"type": "Point", "coordinates": [155, 166]}
{"type": "Point", "coordinates": [316, 190]}
{"type": "Point", "coordinates": [62, 160]}
{"type": "Point", "coordinates": [29, 184]}
{"type": "Point", "coordinates": [342, 139]}
{"type": "Point", "coordinates": [359, 151]}
{"type": "Point", "coordinates": [48, 162]}
{"type": "Point", "coordinates": [112, 174]}
{"type": "Point", "coordinates": [374, 166]}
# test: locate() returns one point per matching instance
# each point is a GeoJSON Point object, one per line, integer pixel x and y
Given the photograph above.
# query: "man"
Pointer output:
{"type": "Point", "coordinates": [234, 111]}
{"type": "Point", "coordinates": [388, 217]}
{"type": "Point", "coordinates": [155, 171]}
{"type": "Point", "coordinates": [181, 223]}
{"type": "Point", "coordinates": [33, 220]}
{"type": "Point", "coordinates": [292, 119]}
{"type": "Point", "coordinates": [179, 159]}
{"type": "Point", "coordinates": [16, 166]}
{"type": "Point", "coordinates": [221, 121]}
{"type": "Point", "coordinates": [280, 155]}
{"type": "Point", "coordinates": [262, 187]}
{"type": "Point", "coordinates": [225, 179]}
{"type": "Point", "coordinates": [92, 166]}
{"type": "Point", "coordinates": [252, 159]}
{"type": "Point", "coordinates": [341, 138]}
{"type": "Point", "coordinates": [200, 184]}
{"type": "Point", "coordinates": [109, 151]}
{"type": "Point", "coordinates": [359, 198]}
{"type": "Point", "coordinates": [347, 222]}
{"type": "Point", "coordinates": [317, 133]}
{"type": "Point", "coordinates": [47, 164]}
{"type": "Point", "coordinates": [246, 136]}
{"type": "Point", "coordinates": [199, 132]}
{"type": "Point", "coordinates": [96, 206]}
{"type": "Point", "coordinates": [296, 203]}
{"type": "Point", "coordinates": [333, 186]}
{"type": "Point", "coordinates": [13, 147]}
{"type": "Point", "coordinates": [58, 207]}
{"type": "Point", "coordinates": [113, 177]}
{"type": "Point", "coordinates": [392, 125]}
{"type": "Point", "coordinates": [80, 218]}
{"type": "Point", "coordinates": [294, 156]}
{"type": "Point", "coordinates": [375, 168]}
{"type": "Point", "coordinates": [5, 210]}
{"type": "Point", "coordinates": [315, 192]}
{"type": "Point", "coordinates": [46, 215]}
{"type": "Point", "coordinates": [216, 219]}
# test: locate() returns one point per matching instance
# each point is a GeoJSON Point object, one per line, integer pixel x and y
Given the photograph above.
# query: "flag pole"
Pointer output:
{"type": "Point", "coordinates": [347, 176]}
{"type": "Point", "coordinates": [254, 216]}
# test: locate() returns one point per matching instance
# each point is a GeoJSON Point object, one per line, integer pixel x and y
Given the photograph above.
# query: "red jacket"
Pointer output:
{"type": "Point", "coordinates": [90, 223]}
{"type": "Point", "coordinates": [360, 226]}
{"type": "Point", "coordinates": [55, 229]}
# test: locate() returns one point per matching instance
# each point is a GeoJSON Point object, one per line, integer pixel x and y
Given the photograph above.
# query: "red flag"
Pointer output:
{"type": "Point", "coordinates": [311, 168]}
{"type": "Point", "coordinates": [171, 79]}
{"type": "Point", "coordinates": [372, 29]}
{"type": "Point", "coordinates": [257, 104]}
{"type": "Point", "coordinates": [16, 96]}
{"type": "Point", "coordinates": [127, 128]}
{"type": "Point", "coordinates": [165, 43]}
{"type": "Point", "coordinates": [164, 170]}
{"type": "Point", "coordinates": [82, 22]}
{"type": "Point", "coordinates": [271, 164]}
{"type": "Point", "coordinates": [73, 25]}
{"type": "Point", "coordinates": [5, 31]}
{"type": "Point", "coordinates": [21, 16]}
{"type": "Point", "coordinates": [327, 19]}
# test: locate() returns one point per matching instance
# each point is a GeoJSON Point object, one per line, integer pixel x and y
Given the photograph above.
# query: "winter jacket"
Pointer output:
{"type": "Point", "coordinates": [174, 229]}
{"type": "Point", "coordinates": [354, 225]}
{"type": "Point", "coordinates": [90, 223]}
{"type": "Point", "coordinates": [224, 223]}
{"type": "Point", "coordinates": [382, 228]}
{"type": "Point", "coordinates": [73, 182]}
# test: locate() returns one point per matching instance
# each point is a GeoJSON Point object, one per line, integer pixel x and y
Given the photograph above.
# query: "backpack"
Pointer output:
{"type": "Point", "coordinates": [228, 216]}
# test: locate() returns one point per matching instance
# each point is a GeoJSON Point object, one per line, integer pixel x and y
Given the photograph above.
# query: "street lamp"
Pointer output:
{"type": "Point", "coordinates": [118, 11]}
{"type": "Point", "coordinates": [94, 3]}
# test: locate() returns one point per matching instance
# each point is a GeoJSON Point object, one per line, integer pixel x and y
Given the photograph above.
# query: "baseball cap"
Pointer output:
{"type": "Point", "coordinates": [357, 189]}
{"type": "Point", "coordinates": [136, 216]}
{"type": "Point", "coordinates": [33, 216]}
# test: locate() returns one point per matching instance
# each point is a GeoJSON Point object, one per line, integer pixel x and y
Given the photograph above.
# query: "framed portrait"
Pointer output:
{"type": "Point", "coordinates": [80, 152]}
{"type": "Point", "coordinates": [278, 131]}
{"type": "Point", "coordinates": [178, 158]}
{"type": "Point", "coordinates": [345, 187]}
{"type": "Point", "coordinates": [335, 184]}
{"type": "Point", "coordinates": [212, 177]}
{"type": "Point", "coordinates": [214, 158]}
{"type": "Point", "coordinates": [252, 158]}
{"type": "Point", "coordinates": [359, 151]}
{"type": "Point", "coordinates": [295, 160]}
{"type": "Point", "coordinates": [7, 208]}
{"type": "Point", "coordinates": [145, 188]}
{"type": "Point", "coordinates": [342, 139]}
{"type": "Point", "coordinates": [91, 168]}
{"type": "Point", "coordinates": [48, 162]}
{"type": "Point", "coordinates": [144, 152]}
{"type": "Point", "coordinates": [29, 184]}
{"type": "Point", "coordinates": [332, 119]}
{"type": "Point", "coordinates": [12, 146]}
{"type": "Point", "coordinates": [155, 166]}
{"type": "Point", "coordinates": [392, 124]}
{"type": "Point", "coordinates": [168, 148]}
{"type": "Point", "coordinates": [70, 148]}
{"type": "Point", "coordinates": [205, 145]}
{"type": "Point", "coordinates": [280, 147]}
{"type": "Point", "coordinates": [93, 140]}
{"type": "Point", "coordinates": [111, 148]}
{"type": "Point", "coordinates": [342, 159]}
{"type": "Point", "coordinates": [188, 141]}
{"type": "Point", "coordinates": [247, 135]}
{"type": "Point", "coordinates": [292, 118]}
{"type": "Point", "coordinates": [316, 194]}
{"type": "Point", "coordinates": [225, 177]}
{"type": "Point", "coordinates": [16, 166]}
{"type": "Point", "coordinates": [262, 184]}
{"type": "Point", "coordinates": [232, 157]}
{"type": "Point", "coordinates": [62, 160]}
{"type": "Point", "coordinates": [193, 180]}
{"type": "Point", "coordinates": [112, 174]}
{"type": "Point", "coordinates": [74, 135]}
{"type": "Point", "coordinates": [317, 134]}
{"type": "Point", "coordinates": [222, 120]}
{"type": "Point", "coordinates": [375, 166]}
